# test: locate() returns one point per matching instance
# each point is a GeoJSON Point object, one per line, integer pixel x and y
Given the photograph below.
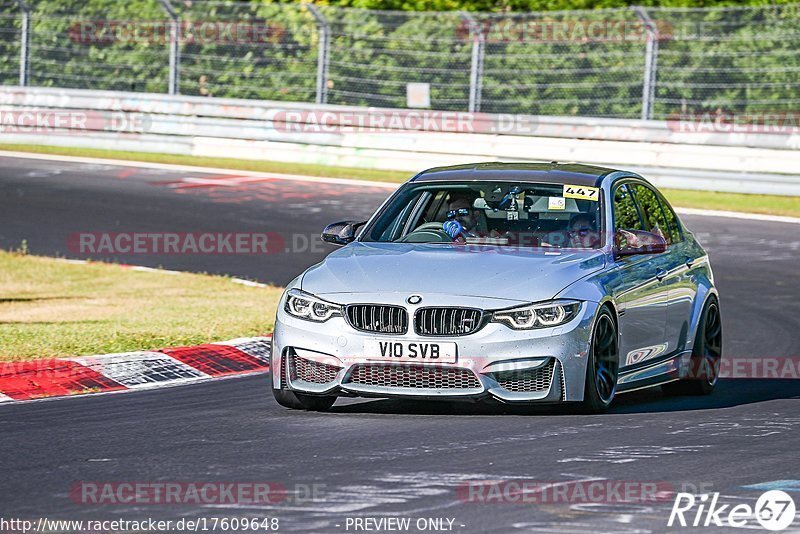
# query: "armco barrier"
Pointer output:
{"type": "Point", "coordinates": [252, 129]}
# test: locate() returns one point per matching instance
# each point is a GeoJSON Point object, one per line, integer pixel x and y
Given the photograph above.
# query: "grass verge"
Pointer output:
{"type": "Point", "coordinates": [52, 308]}
{"type": "Point", "coordinates": [764, 204]}
{"type": "Point", "coordinates": [709, 200]}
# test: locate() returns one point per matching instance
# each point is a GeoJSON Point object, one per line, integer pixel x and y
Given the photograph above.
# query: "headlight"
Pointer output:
{"type": "Point", "coordinates": [307, 306]}
{"type": "Point", "coordinates": [542, 315]}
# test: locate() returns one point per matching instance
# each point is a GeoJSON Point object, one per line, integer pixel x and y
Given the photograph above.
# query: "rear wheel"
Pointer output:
{"type": "Point", "coordinates": [706, 355]}
{"type": "Point", "coordinates": [602, 367]}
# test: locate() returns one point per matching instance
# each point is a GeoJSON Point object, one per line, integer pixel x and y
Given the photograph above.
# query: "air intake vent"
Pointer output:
{"type": "Point", "coordinates": [312, 371]}
{"type": "Point", "coordinates": [413, 376]}
{"type": "Point", "coordinates": [378, 318]}
{"type": "Point", "coordinates": [526, 380]}
{"type": "Point", "coordinates": [448, 321]}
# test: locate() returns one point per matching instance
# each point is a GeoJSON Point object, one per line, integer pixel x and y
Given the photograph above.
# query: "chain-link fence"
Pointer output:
{"type": "Point", "coordinates": [10, 43]}
{"type": "Point", "coordinates": [628, 63]}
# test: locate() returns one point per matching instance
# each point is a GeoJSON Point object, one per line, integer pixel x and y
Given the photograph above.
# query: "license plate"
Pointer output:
{"type": "Point", "coordinates": [410, 351]}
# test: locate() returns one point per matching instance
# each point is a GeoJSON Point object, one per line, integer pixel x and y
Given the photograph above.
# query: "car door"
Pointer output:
{"type": "Point", "coordinates": [676, 263]}
{"type": "Point", "coordinates": [640, 295]}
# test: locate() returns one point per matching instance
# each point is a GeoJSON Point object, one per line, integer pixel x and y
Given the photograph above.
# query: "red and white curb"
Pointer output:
{"type": "Point", "coordinates": [38, 379]}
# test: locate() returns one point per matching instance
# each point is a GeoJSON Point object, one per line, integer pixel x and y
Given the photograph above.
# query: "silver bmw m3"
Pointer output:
{"type": "Point", "coordinates": [521, 283]}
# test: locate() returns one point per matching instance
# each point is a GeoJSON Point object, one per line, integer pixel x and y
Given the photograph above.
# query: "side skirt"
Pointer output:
{"type": "Point", "coordinates": [655, 374]}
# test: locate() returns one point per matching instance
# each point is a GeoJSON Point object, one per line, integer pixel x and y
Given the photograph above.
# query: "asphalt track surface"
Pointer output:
{"type": "Point", "coordinates": [381, 458]}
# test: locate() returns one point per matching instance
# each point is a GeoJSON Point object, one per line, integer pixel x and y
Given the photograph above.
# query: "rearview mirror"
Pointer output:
{"type": "Point", "coordinates": [633, 242]}
{"type": "Point", "coordinates": [341, 233]}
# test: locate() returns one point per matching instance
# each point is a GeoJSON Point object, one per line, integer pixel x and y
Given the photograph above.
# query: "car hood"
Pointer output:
{"type": "Point", "coordinates": [525, 275]}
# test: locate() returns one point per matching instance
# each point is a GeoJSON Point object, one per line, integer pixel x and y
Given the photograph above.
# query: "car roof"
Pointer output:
{"type": "Point", "coordinates": [552, 173]}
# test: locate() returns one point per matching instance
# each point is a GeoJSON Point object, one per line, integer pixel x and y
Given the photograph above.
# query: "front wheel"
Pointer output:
{"type": "Point", "coordinates": [298, 401]}
{"type": "Point", "coordinates": [602, 366]}
{"type": "Point", "coordinates": [315, 403]}
{"type": "Point", "coordinates": [287, 399]}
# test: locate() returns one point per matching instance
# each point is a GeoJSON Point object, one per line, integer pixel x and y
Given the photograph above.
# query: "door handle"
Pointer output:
{"type": "Point", "coordinates": [660, 274]}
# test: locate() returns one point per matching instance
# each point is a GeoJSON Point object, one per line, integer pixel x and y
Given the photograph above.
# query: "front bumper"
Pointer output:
{"type": "Point", "coordinates": [547, 365]}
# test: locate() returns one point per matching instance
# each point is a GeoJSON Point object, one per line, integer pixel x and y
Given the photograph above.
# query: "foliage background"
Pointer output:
{"type": "Point", "coordinates": [737, 59]}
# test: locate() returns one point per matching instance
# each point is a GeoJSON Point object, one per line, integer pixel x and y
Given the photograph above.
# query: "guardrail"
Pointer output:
{"type": "Point", "coordinates": [671, 154]}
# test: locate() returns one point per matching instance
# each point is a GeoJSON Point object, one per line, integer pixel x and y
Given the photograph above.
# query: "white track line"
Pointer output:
{"type": "Point", "coordinates": [152, 270]}
{"type": "Point", "coordinates": [248, 283]}
{"type": "Point", "coordinates": [344, 181]}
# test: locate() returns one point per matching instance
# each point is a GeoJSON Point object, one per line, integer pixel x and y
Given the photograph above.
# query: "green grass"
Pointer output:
{"type": "Point", "coordinates": [765, 204]}
{"type": "Point", "coordinates": [51, 308]}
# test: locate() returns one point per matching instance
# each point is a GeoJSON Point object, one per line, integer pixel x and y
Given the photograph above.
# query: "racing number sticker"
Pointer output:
{"type": "Point", "coordinates": [581, 192]}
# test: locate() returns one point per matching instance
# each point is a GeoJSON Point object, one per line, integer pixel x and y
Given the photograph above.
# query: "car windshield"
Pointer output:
{"type": "Point", "coordinates": [492, 213]}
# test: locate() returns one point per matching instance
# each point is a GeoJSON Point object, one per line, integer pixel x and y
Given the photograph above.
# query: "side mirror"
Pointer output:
{"type": "Point", "coordinates": [633, 242]}
{"type": "Point", "coordinates": [341, 233]}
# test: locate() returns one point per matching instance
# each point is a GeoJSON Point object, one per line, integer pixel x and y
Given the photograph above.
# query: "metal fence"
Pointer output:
{"type": "Point", "coordinates": [627, 63]}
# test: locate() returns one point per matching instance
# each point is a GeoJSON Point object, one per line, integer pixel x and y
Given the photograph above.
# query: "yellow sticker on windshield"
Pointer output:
{"type": "Point", "coordinates": [582, 192]}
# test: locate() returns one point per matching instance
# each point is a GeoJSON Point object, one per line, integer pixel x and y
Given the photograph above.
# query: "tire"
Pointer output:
{"type": "Point", "coordinates": [287, 399]}
{"type": "Point", "coordinates": [315, 403]}
{"type": "Point", "coordinates": [298, 401]}
{"type": "Point", "coordinates": [706, 355]}
{"type": "Point", "coordinates": [283, 396]}
{"type": "Point", "coordinates": [602, 367]}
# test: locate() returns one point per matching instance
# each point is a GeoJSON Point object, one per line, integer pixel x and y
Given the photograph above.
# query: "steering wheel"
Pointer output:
{"type": "Point", "coordinates": [428, 226]}
{"type": "Point", "coordinates": [427, 234]}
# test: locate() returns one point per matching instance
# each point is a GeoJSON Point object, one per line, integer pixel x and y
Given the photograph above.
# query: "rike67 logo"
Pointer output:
{"type": "Point", "coordinates": [774, 510]}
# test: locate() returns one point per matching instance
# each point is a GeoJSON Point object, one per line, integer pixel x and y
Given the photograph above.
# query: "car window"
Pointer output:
{"type": "Point", "coordinates": [494, 213]}
{"type": "Point", "coordinates": [674, 223]}
{"type": "Point", "coordinates": [652, 213]}
{"type": "Point", "coordinates": [436, 208]}
{"type": "Point", "coordinates": [397, 218]}
{"type": "Point", "coordinates": [626, 215]}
